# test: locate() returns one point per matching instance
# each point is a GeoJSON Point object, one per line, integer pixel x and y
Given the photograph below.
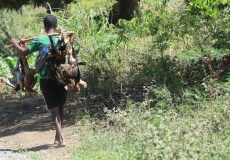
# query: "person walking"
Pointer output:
{"type": "Point", "coordinates": [54, 94]}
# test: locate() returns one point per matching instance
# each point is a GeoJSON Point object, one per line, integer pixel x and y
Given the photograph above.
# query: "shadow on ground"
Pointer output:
{"type": "Point", "coordinates": [29, 114]}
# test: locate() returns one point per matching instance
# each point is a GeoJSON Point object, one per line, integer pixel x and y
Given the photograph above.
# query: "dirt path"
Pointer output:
{"type": "Point", "coordinates": [26, 128]}
{"type": "Point", "coordinates": [8, 154]}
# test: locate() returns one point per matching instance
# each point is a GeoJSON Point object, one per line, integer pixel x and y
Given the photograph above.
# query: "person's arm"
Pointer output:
{"type": "Point", "coordinates": [22, 51]}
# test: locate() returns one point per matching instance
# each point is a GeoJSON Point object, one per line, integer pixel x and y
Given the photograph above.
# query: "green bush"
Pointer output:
{"type": "Point", "coordinates": [138, 133]}
{"type": "Point", "coordinates": [176, 58]}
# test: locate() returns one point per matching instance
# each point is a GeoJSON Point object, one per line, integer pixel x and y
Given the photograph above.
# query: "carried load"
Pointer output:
{"type": "Point", "coordinates": [61, 59]}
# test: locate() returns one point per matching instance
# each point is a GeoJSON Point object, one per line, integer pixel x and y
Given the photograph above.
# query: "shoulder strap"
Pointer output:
{"type": "Point", "coordinates": [51, 42]}
{"type": "Point", "coordinates": [52, 48]}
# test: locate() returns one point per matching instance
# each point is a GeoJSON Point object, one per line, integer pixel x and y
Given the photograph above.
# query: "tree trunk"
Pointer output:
{"type": "Point", "coordinates": [123, 9]}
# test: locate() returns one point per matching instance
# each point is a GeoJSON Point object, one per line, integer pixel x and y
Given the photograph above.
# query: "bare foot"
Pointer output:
{"type": "Point", "coordinates": [56, 141]}
{"type": "Point", "coordinates": [62, 144]}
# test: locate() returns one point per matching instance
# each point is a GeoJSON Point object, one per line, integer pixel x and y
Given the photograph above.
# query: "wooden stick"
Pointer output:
{"type": "Point", "coordinates": [29, 39]}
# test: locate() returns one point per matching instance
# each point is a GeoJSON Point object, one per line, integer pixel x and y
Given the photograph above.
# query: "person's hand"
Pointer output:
{"type": "Point", "coordinates": [61, 37]}
{"type": "Point", "coordinates": [23, 44]}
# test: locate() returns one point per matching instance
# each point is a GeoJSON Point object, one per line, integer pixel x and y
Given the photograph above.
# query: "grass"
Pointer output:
{"type": "Point", "coordinates": [137, 133]}
{"type": "Point", "coordinates": [174, 120]}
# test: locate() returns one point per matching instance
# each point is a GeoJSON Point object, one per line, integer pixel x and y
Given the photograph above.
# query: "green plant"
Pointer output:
{"type": "Point", "coordinates": [163, 133]}
{"type": "Point", "coordinates": [175, 58]}
{"type": "Point", "coordinates": [5, 65]}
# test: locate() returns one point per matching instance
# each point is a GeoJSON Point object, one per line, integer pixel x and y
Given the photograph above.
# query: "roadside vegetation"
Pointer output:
{"type": "Point", "coordinates": [159, 84]}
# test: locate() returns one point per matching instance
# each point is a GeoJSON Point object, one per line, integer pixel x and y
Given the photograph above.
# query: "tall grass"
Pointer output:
{"type": "Point", "coordinates": [137, 133]}
{"type": "Point", "coordinates": [161, 56]}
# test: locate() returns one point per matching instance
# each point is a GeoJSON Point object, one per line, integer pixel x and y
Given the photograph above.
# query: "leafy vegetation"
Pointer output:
{"type": "Point", "coordinates": [164, 76]}
{"type": "Point", "coordinates": [137, 133]}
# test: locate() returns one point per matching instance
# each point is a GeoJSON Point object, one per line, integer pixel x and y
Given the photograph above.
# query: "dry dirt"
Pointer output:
{"type": "Point", "coordinates": [26, 128]}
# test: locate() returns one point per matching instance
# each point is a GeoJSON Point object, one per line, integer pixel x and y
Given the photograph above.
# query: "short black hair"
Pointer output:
{"type": "Point", "coordinates": [50, 21]}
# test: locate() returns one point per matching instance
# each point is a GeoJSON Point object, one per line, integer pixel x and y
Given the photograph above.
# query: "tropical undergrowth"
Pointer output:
{"type": "Point", "coordinates": [160, 82]}
{"type": "Point", "coordinates": [140, 133]}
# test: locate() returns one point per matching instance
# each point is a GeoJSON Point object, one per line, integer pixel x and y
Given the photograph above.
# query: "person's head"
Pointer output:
{"type": "Point", "coordinates": [50, 21]}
